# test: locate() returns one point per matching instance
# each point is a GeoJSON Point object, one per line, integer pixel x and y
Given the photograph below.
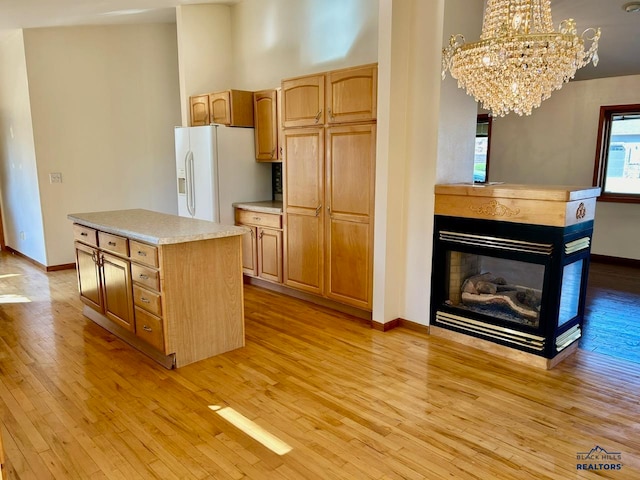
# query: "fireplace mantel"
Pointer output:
{"type": "Point", "coordinates": [553, 205]}
{"type": "Point", "coordinates": [510, 264]}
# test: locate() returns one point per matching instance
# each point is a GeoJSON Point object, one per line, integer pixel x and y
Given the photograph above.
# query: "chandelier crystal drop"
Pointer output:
{"type": "Point", "coordinates": [519, 60]}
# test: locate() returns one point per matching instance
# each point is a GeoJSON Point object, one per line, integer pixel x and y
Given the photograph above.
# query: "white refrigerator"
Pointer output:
{"type": "Point", "coordinates": [216, 167]}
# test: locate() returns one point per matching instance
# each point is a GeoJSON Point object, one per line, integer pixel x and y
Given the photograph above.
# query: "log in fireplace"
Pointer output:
{"type": "Point", "coordinates": [510, 266]}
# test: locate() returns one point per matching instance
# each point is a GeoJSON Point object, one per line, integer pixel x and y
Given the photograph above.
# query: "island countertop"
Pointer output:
{"type": "Point", "coordinates": [154, 227]}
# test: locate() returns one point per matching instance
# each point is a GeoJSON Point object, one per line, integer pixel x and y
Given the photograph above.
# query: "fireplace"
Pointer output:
{"type": "Point", "coordinates": [510, 266]}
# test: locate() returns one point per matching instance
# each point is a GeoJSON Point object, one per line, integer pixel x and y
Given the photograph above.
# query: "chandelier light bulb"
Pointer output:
{"type": "Point", "coordinates": [519, 60]}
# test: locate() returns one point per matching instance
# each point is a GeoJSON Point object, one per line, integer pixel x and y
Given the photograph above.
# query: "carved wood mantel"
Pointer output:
{"type": "Point", "coordinates": [552, 205]}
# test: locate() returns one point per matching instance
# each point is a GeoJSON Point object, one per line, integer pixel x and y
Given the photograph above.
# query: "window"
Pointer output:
{"type": "Point", "coordinates": [481, 157]}
{"type": "Point", "coordinates": [617, 166]}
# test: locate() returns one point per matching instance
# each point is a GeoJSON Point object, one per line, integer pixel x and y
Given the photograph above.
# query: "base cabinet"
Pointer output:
{"type": "Point", "coordinates": [262, 246]}
{"type": "Point", "coordinates": [116, 287]}
{"type": "Point", "coordinates": [177, 303]}
{"type": "Point", "coordinates": [89, 278]}
{"type": "Point", "coordinates": [104, 282]}
{"type": "Point", "coordinates": [270, 254]}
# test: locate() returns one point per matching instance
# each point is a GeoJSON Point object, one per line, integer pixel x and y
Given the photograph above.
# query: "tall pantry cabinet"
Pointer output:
{"type": "Point", "coordinates": [329, 125]}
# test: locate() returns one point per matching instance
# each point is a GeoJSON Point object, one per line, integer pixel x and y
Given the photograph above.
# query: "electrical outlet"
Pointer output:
{"type": "Point", "coordinates": [23, 236]}
{"type": "Point", "coordinates": [55, 177]}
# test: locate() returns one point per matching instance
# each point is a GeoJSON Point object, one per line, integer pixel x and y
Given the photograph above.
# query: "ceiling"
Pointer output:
{"type": "Point", "coordinates": [619, 44]}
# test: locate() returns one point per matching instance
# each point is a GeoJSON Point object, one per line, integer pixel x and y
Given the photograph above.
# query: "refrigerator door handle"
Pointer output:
{"type": "Point", "coordinates": [191, 195]}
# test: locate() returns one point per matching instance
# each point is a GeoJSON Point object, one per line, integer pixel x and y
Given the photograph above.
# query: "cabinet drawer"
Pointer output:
{"type": "Point", "coordinates": [113, 243]}
{"type": "Point", "coordinates": [149, 329]}
{"type": "Point", "coordinates": [143, 253]}
{"type": "Point", "coordinates": [272, 220]}
{"type": "Point", "coordinates": [147, 299]}
{"type": "Point", "coordinates": [145, 276]}
{"type": "Point", "coordinates": [85, 234]}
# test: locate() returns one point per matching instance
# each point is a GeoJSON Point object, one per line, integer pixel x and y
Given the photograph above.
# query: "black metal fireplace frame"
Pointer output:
{"type": "Point", "coordinates": [552, 247]}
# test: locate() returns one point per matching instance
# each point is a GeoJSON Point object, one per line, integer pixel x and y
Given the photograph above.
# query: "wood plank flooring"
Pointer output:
{"type": "Point", "coordinates": [350, 401]}
{"type": "Point", "coordinates": [612, 314]}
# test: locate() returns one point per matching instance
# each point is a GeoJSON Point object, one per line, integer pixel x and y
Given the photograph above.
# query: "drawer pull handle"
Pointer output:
{"type": "Point", "coordinates": [113, 244]}
{"type": "Point", "coordinates": [142, 254]}
{"type": "Point", "coordinates": [147, 328]}
{"type": "Point", "coordinates": [84, 234]}
{"type": "Point", "coordinates": [257, 219]}
{"type": "Point", "coordinates": [144, 300]}
{"type": "Point", "coordinates": [144, 277]}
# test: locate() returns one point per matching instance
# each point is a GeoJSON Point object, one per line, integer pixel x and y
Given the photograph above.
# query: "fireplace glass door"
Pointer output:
{"type": "Point", "coordinates": [505, 289]}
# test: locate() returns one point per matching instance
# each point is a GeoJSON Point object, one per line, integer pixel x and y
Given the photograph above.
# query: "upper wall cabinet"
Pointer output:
{"type": "Point", "coordinates": [199, 110]}
{"type": "Point", "coordinates": [230, 107]}
{"type": "Point", "coordinates": [303, 101]}
{"type": "Point", "coordinates": [339, 96]}
{"type": "Point", "coordinates": [266, 112]}
{"type": "Point", "coordinates": [351, 94]}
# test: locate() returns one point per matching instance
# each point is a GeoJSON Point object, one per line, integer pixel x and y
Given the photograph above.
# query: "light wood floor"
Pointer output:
{"type": "Point", "coordinates": [612, 316]}
{"type": "Point", "coordinates": [352, 402]}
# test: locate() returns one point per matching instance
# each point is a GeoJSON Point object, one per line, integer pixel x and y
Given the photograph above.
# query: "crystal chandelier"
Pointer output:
{"type": "Point", "coordinates": [519, 59]}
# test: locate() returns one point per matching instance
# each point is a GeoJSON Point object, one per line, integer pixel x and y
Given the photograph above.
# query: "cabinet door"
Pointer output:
{"type": "Point", "coordinates": [270, 254]}
{"type": "Point", "coordinates": [199, 110]}
{"type": "Point", "coordinates": [89, 283]}
{"type": "Point", "coordinates": [266, 125]}
{"type": "Point", "coordinates": [117, 293]}
{"type": "Point", "coordinates": [352, 94]}
{"type": "Point", "coordinates": [249, 252]}
{"type": "Point", "coordinates": [219, 108]}
{"type": "Point", "coordinates": [304, 194]}
{"type": "Point", "coordinates": [303, 101]}
{"type": "Point", "coordinates": [350, 181]}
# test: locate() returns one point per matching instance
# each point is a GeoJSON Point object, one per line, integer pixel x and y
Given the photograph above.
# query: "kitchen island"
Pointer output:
{"type": "Point", "coordinates": [169, 286]}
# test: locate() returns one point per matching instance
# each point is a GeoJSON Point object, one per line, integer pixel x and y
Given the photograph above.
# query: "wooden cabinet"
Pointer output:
{"type": "Point", "coordinates": [249, 250]}
{"type": "Point", "coordinates": [329, 179]}
{"type": "Point", "coordinates": [269, 247]}
{"type": "Point", "coordinates": [171, 288]}
{"type": "Point", "coordinates": [351, 94]}
{"type": "Point", "coordinates": [340, 96]}
{"type": "Point", "coordinates": [199, 110]}
{"type": "Point", "coordinates": [104, 280]}
{"type": "Point", "coordinates": [304, 209]}
{"type": "Point", "coordinates": [303, 101]}
{"type": "Point", "coordinates": [350, 177]}
{"type": "Point", "coordinates": [89, 278]}
{"type": "Point", "coordinates": [268, 132]}
{"type": "Point", "coordinates": [229, 107]}
{"type": "Point", "coordinates": [116, 287]}
{"type": "Point", "coordinates": [112, 285]}
{"type": "Point", "coordinates": [262, 246]}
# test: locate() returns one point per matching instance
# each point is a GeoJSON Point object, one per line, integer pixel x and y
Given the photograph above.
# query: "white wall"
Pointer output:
{"type": "Point", "coordinates": [204, 51]}
{"type": "Point", "coordinates": [104, 101]}
{"type": "Point", "coordinates": [458, 111]}
{"type": "Point", "coordinates": [276, 39]}
{"type": "Point", "coordinates": [557, 145]}
{"type": "Point", "coordinates": [19, 190]}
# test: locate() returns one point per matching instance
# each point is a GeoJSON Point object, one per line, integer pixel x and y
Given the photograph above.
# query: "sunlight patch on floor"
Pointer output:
{"type": "Point", "coordinates": [9, 275]}
{"type": "Point", "coordinates": [12, 298]}
{"type": "Point", "coordinates": [252, 429]}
